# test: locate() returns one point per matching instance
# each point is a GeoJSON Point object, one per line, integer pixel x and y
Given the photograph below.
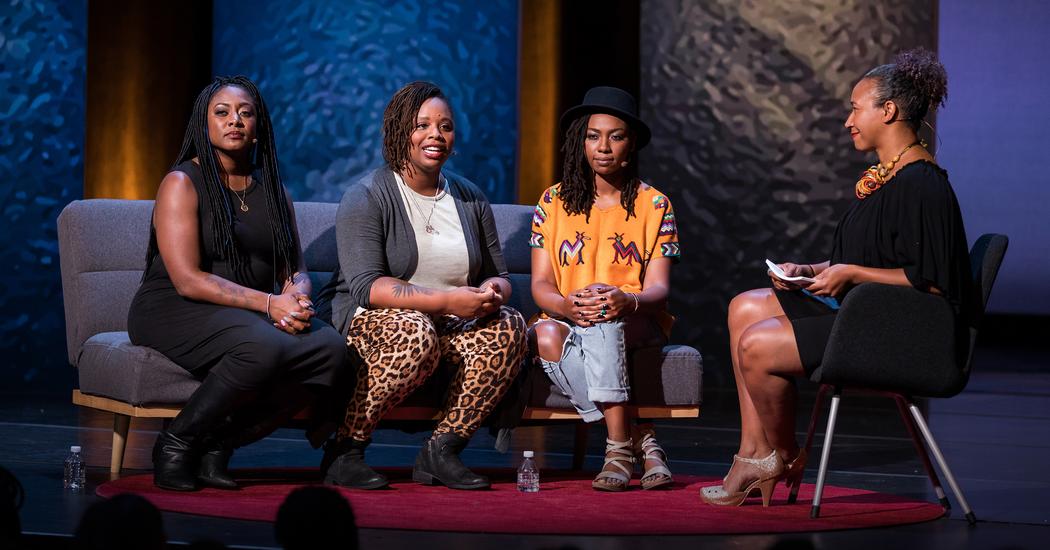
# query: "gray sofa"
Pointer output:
{"type": "Point", "coordinates": [102, 246]}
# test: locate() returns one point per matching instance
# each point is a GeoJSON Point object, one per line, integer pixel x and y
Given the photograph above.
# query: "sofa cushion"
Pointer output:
{"type": "Point", "coordinates": [111, 366]}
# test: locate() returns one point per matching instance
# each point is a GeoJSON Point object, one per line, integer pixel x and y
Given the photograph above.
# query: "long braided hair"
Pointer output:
{"type": "Point", "coordinates": [577, 178]}
{"type": "Point", "coordinates": [197, 144]}
{"type": "Point", "coordinates": [399, 120]}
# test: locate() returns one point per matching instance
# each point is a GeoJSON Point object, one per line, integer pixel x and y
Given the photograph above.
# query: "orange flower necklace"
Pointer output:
{"type": "Point", "coordinates": [875, 176]}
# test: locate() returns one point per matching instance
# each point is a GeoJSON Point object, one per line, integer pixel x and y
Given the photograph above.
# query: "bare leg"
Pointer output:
{"type": "Point", "coordinates": [746, 309]}
{"type": "Point", "coordinates": [769, 362]}
{"type": "Point", "coordinates": [547, 339]}
{"type": "Point", "coordinates": [616, 421]}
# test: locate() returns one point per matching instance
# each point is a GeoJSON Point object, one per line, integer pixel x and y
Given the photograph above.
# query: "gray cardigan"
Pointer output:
{"type": "Point", "coordinates": [375, 239]}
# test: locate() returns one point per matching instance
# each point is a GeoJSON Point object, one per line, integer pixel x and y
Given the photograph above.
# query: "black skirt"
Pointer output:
{"type": "Point", "coordinates": [811, 320]}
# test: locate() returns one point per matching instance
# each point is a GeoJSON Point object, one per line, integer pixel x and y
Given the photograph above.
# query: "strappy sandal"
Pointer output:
{"type": "Point", "coordinates": [770, 470]}
{"type": "Point", "coordinates": [657, 477]}
{"type": "Point", "coordinates": [616, 453]}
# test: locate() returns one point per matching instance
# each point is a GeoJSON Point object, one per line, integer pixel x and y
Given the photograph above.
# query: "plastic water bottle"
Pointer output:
{"type": "Point", "coordinates": [75, 478]}
{"type": "Point", "coordinates": [528, 474]}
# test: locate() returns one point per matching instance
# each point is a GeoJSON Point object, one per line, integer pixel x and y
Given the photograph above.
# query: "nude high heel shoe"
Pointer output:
{"type": "Point", "coordinates": [793, 473]}
{"type": "Point", "coordinates": [768, 472]}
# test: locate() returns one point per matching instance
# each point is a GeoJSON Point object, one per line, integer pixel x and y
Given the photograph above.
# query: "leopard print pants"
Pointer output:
{"type": "Point", "coordinates": [401, 348]}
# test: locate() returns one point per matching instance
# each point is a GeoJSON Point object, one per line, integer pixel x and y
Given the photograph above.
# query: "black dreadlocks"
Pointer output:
{"type": "Point", "coordinates": [399, 120]}
{"type": "Point", "coordinates": [577, 178]}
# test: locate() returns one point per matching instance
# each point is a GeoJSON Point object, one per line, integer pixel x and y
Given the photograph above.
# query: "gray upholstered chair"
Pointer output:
{"type": "Point", "coordinates": [903, 343]}
{"type": "Point", "coordinates": [102, 247]}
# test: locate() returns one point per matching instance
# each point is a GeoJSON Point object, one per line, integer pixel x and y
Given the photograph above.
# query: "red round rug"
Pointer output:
{"type": "Point", "coordinates": [565, 504]}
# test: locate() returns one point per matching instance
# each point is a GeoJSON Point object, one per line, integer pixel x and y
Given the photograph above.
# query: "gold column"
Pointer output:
{"type": "Point", "coordinates": [538, 97]}
{"type": "Point", "coordinates": [146, 62]}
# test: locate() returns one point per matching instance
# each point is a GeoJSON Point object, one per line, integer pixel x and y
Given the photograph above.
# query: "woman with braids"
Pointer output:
{"type": "Point", "coordinates": [225, 294]}
{"type": "Point", "coordinates": [603, 244]}
{"type": "Point", "coordinates": [421, 285]}
{"type": "Point", "coordinates": [905, 228]}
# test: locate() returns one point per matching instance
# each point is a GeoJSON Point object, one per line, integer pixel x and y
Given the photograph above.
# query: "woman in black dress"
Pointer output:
{"type": "Point", "coordinates": [225, 294]}
{"type": "Point", "coordinates": [905, 229]}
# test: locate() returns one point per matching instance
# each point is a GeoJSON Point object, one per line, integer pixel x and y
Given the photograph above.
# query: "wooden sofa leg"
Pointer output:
{"type": "Point", "coordinates": [121, 424]}
{"type": "Point", "coordinates": [579, 446]}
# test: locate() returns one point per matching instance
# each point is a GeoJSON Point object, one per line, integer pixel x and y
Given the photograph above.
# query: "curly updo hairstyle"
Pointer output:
{"type": "Point", "coordinates": [916, 82]}
{"type": "Point", "coordinates": [399, 120]}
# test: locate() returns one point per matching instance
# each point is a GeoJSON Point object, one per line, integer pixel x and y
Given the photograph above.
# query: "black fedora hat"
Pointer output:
{"type": "Point", "coordinates": [610, 101]}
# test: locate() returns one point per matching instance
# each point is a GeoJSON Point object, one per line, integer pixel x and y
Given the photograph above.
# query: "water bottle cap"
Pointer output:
{"type": "Point", "coordinates": [528, 454]}
{"type": "Point", "coordinates": [74, 449]}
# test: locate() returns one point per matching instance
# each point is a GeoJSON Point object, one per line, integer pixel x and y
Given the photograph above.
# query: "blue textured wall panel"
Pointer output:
{"type": "Point", "coordinates": [327, 69]}
{"type": "Point", "coordinates": [42, 53]}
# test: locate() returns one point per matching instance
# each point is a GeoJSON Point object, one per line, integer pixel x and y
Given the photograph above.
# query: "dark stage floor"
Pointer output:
{"type": "Point", "coordinates": [995, 436]}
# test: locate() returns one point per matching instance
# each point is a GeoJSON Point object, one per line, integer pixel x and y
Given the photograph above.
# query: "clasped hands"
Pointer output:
{"type": "Point", "coordinates": [834, 280]}
{"type": "Point", "coordinates": [598, 303]}
{"type": "Point", "coordinates": [468, 302]}
{"type": "Point", "coordinates": [291, 311]}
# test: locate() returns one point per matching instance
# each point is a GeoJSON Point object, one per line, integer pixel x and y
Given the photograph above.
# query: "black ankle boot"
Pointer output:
{"type": "Point", "coordinates": [438, 462]}
{"type": "Point", "coordinates": [174, 463]}
{"type": "Point", "coordinates": [248, 424]}
{"type": "Point", "coordinates": [177, 453]}
{"type": "Point", "coordinates": [214, 463]}
{"type": "Point", "coordinates": [348, 468]}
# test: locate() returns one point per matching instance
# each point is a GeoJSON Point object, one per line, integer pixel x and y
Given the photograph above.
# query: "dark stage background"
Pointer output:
{"type": "Point", "coordinates": [746, 100]}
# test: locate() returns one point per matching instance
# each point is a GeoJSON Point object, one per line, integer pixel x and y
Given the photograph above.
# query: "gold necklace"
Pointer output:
{"type": "Point", "coordinates": [875, 176]}
{"type": "Point", "coordinates": [247, 181]}
{"type": "Point", "coordinates": [884, 170]}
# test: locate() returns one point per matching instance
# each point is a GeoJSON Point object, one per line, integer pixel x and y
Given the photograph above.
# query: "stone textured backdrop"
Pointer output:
{"type": "Point", "coordinates": [327, 69]}
{"type": "Point", "coordinates": [42, 48]}
{"type": "Point", "coordinates": [747, 101]}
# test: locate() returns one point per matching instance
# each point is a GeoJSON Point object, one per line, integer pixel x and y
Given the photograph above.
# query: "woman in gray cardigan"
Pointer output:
{"type": "Point", "coordinates": [421, 283]}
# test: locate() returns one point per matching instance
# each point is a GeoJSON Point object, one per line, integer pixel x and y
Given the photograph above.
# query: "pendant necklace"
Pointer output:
{"type": "Point", "coordinates": [247, 181]}
{"type": "Point", "coordinates": [437, 197]}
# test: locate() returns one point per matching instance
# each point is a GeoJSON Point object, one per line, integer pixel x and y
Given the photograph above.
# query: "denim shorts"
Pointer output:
{"type": "Point", "coordinates": [593, 367]}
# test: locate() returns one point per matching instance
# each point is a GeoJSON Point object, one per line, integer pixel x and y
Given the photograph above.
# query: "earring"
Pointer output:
{"type": "Point", "coordinates": [623, 164]}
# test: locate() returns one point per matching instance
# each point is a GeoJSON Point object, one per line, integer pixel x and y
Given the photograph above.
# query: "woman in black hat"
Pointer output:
{"type": "Point", "coordinates": [604, 242]}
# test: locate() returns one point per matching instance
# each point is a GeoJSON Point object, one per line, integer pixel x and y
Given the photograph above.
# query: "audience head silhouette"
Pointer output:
{"type": "Point", "coordinates": [11, 497]}
{"type": "Point", "coordinates": [124, 522]}
{"type": "Point", "coordinates": [315, 518]}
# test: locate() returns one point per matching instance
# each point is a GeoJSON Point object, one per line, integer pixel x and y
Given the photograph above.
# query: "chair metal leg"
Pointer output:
{"type": "Point", "coordinates": [921, 450]}
{"type": "Point", "coordinates": [793, 495]}
{"type": "Point", "coordinates": [579, 446]}
{"type": "Point", "coordinates": [121, 424]}
{"type": "Point", "coordinates": [825, 453]}
{"type": "Point", "coordinates": [920, 422]}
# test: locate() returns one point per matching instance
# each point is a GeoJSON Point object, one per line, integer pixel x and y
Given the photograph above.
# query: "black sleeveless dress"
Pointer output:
{"type": "Point", "coordinates": [241, 346]}
{"type": "Point", "coordinates": [912, 222]}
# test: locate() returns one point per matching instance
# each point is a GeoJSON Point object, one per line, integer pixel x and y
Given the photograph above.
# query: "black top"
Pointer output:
{"type": "Point", "coordinates": [913, 222]}
{"type": "Point", "coordinates": [251, 231]}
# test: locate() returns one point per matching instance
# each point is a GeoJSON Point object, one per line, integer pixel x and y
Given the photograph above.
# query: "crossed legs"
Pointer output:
{"type": "Point", "coordinates": [765, 363]}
